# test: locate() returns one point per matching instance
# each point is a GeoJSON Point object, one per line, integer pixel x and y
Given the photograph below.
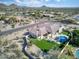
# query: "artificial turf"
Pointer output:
{"type": "Point", "coordinates": [44, 44]}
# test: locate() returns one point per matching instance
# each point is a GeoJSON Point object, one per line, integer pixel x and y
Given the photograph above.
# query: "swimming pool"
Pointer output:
{"type": "Point", "coordinates": [76, 53]}
{"type": "Point", "coordinates": [62, 38]}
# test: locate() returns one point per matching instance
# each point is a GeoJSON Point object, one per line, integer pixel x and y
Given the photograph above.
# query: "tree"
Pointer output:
{"type": "Point", "coordinates": [2, 18]}
{"type": "Point", "coordinates": [13, 25]}
{"type": "Point", "coordinates": [12, 20]}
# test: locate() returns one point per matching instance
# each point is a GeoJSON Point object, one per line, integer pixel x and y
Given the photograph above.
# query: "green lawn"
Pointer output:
{"type": "Point", "coordinates": [65, 33]}
{"type": "Point", "coordinates": [76, 31]}
{"type": "Point", "coordinates": [76, 36]}
{"type": "Point", "coordinates": [44, 44]}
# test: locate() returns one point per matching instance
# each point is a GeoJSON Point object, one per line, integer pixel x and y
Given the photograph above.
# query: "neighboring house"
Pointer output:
{"type": "Point", "coordinates": [2, 13]}
{"type": "Point", "coordinates": [48, 15]}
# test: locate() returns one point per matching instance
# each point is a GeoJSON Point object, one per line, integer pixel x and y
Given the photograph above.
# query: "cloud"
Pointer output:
{"type": "Point", "coordinates": [4, 2]}
{"type": "Point", "coordinates": [35, 3]}
{"type": "Point", "coordinates": [18, 1]}
{"type": "Point", "coordinates": [31, 3]}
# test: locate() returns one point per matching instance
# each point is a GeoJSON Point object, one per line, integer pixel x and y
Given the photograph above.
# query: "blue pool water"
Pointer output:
{"type": "Point", "coordinates": [62, 39]}
{"type": "Point", "coordinates": [77, 54]}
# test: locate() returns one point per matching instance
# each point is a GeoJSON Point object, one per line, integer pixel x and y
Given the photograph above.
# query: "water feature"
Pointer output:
{"type": "Point", "coordinates": [76, 53]}
{"type": "Point", "coordinates": [62, 38]}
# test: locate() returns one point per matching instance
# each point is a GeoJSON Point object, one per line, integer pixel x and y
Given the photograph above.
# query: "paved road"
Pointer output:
{"type": "Point", "coordinates": [20, 28]}
{"type": "Point", "coordinates": [25, 51]}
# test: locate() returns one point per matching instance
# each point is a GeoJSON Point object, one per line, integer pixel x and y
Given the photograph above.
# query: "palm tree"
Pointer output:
{"type": "Point", "coordinates": [70, 39]}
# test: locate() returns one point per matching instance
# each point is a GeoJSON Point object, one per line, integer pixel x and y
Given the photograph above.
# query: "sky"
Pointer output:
{"type": "Point", "coordinates": [48, 3]}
